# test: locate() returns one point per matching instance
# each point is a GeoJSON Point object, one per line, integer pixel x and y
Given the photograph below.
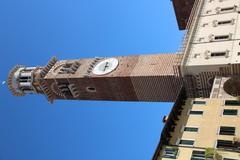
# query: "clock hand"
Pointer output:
{"type": "Point", "coordinates": [105, 67]}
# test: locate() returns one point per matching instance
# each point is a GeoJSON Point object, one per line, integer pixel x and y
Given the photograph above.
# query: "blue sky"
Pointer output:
{"type": "Point", "coordinates": [32, 31]}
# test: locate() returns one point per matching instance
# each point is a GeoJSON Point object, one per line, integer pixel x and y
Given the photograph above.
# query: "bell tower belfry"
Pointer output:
{"type": "Point", "coordinates": [129, 78]}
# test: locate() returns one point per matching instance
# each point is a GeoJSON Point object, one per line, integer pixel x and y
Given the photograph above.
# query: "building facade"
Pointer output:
{"type": "Point", "coordinates": [212, 46]}
{"type": "Point", "coordinates": [204, 128]}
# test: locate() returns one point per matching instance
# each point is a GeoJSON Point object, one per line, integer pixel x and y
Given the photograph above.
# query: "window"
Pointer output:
{"type": "Point", "coordinates": [196, 112]}
{"type": "Point", "coordinates": [63, 87]}
{"type": "Point", "coordinates": [225, 22]}
{"type": "Point", "coordinates": [186, 142]}
{"type": "Point", "coordinates": [198, 155]}
{"type": "Point", "coordinates": [24, 79]}
{"type": "Point", "coordinates": [74, 90]}
{"type": "Point", "coordinates": [68, 89]}
{"type": "Point", "coordinates": [225, 144]}
{"type": "Point", "coordinates": [227, 9]}
{"type": "Point", "coordinates": [224, 130]}
{"type": "Point", "coordinates": [217, 38]}
{"type": "Point", "coordinates": [231, 112]}
{"type": "Point", "coordinates": [69, 68]}
{"type": "Point", "coordinates": [190, 129]}
{"type": "Point", "coordinates": [170, 153]}
{"type": "Point", "coordinates": [218, 54]}
{"type": "Point", "coordinates": [199, 102]}
{"type": "Point", "coordinates": [91, 89]}
{"type": "Point", "coordinates": [232, 103]}
{"type": "Point", "coordinates": [221, 37]}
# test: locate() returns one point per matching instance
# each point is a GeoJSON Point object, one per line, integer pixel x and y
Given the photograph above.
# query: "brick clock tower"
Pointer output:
{"type": "Point", "coordinates": [209, 56]}
{"type": "Point", "coordinates": [129, 78]}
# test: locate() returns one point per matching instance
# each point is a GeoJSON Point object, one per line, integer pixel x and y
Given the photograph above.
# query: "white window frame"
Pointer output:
{"type": "Point", "coordinates": [188, 113]}
{"type": "Point", "coordinates": [178, 142]}
{"type": "Point", "coordinates": [219, 127]}
{"type": "Point", "coordinates": [164, 153]}
{"type": "Point", "coordinates": [230, 115]}
{"type": "Point", "coordinates": [216, 22]}
{"type": "Point", "coordinates": [224, 102]}
{"type": "Point", "coordinates": [215, 145]}
{"type": "Point", "coordinates": [199, 104]}
{"type": "Point", "coordinates": [219, 9]}
{"type": "Point", "coordinates": [226, 55]}
{"type": "Point", "coordinates": [200, 151]}
{"type": "Point", "coordinates": [183, 127]}
{"type": "Point", "coordinates": [208, 54]}
{"type": "Point", "coordinates": [212, 37]}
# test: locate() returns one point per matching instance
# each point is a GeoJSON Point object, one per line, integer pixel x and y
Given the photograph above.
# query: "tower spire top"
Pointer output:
{"type": "Point", "coordinates": [12, 81]}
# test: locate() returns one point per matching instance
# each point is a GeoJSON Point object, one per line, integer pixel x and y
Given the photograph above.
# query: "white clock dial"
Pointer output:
{"type": "Point", "coordinates": [106, 66]}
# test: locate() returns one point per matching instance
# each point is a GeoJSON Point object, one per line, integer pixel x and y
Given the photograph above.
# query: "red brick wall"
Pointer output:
{"type": "Point", "coordinates": [137, 78]}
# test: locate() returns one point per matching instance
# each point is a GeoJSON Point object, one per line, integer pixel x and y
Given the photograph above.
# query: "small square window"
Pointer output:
{"type": "Point", "coordinates": [91, 89]}
{"type": "Point", "coordinates": [198, 155]}
{"type": "Point", "coordinates": [218, 54]}
{"type": "Point", "coordinates": [190, 129]}
{"type": "Point", "coordinates": [186, 142]}
{"type": "Point", "coordinates": [199, 102]}
{"type": "Point", "coordinates": [225, 144]}
{"type": "Point", "coordinates": [221, 37]}
{"type": "Point", "coordinates": [68, 89]}
{"type": "Point", "coordinates": [230, 112]}
{"type": "Point", "coordinates": [232, 103]}
{"type": "Point", "coordinates": [69, 68]}
{"type": "Point", "coordinates": [224, 22]}
{"type": "Point", "coordinates": [64, 89]}
{"type": "Point", "coordinates": [227, 9]}
{"type": "Point", "coordinates": [224, 130]}
{"type": "Point", "coordinates": [170, 153]}
{"type": "Point", "coordinates": [196, 112]}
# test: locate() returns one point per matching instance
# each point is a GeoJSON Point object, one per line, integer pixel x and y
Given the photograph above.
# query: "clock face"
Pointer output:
{"type": "Point", "coordinates": [106, 66]}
